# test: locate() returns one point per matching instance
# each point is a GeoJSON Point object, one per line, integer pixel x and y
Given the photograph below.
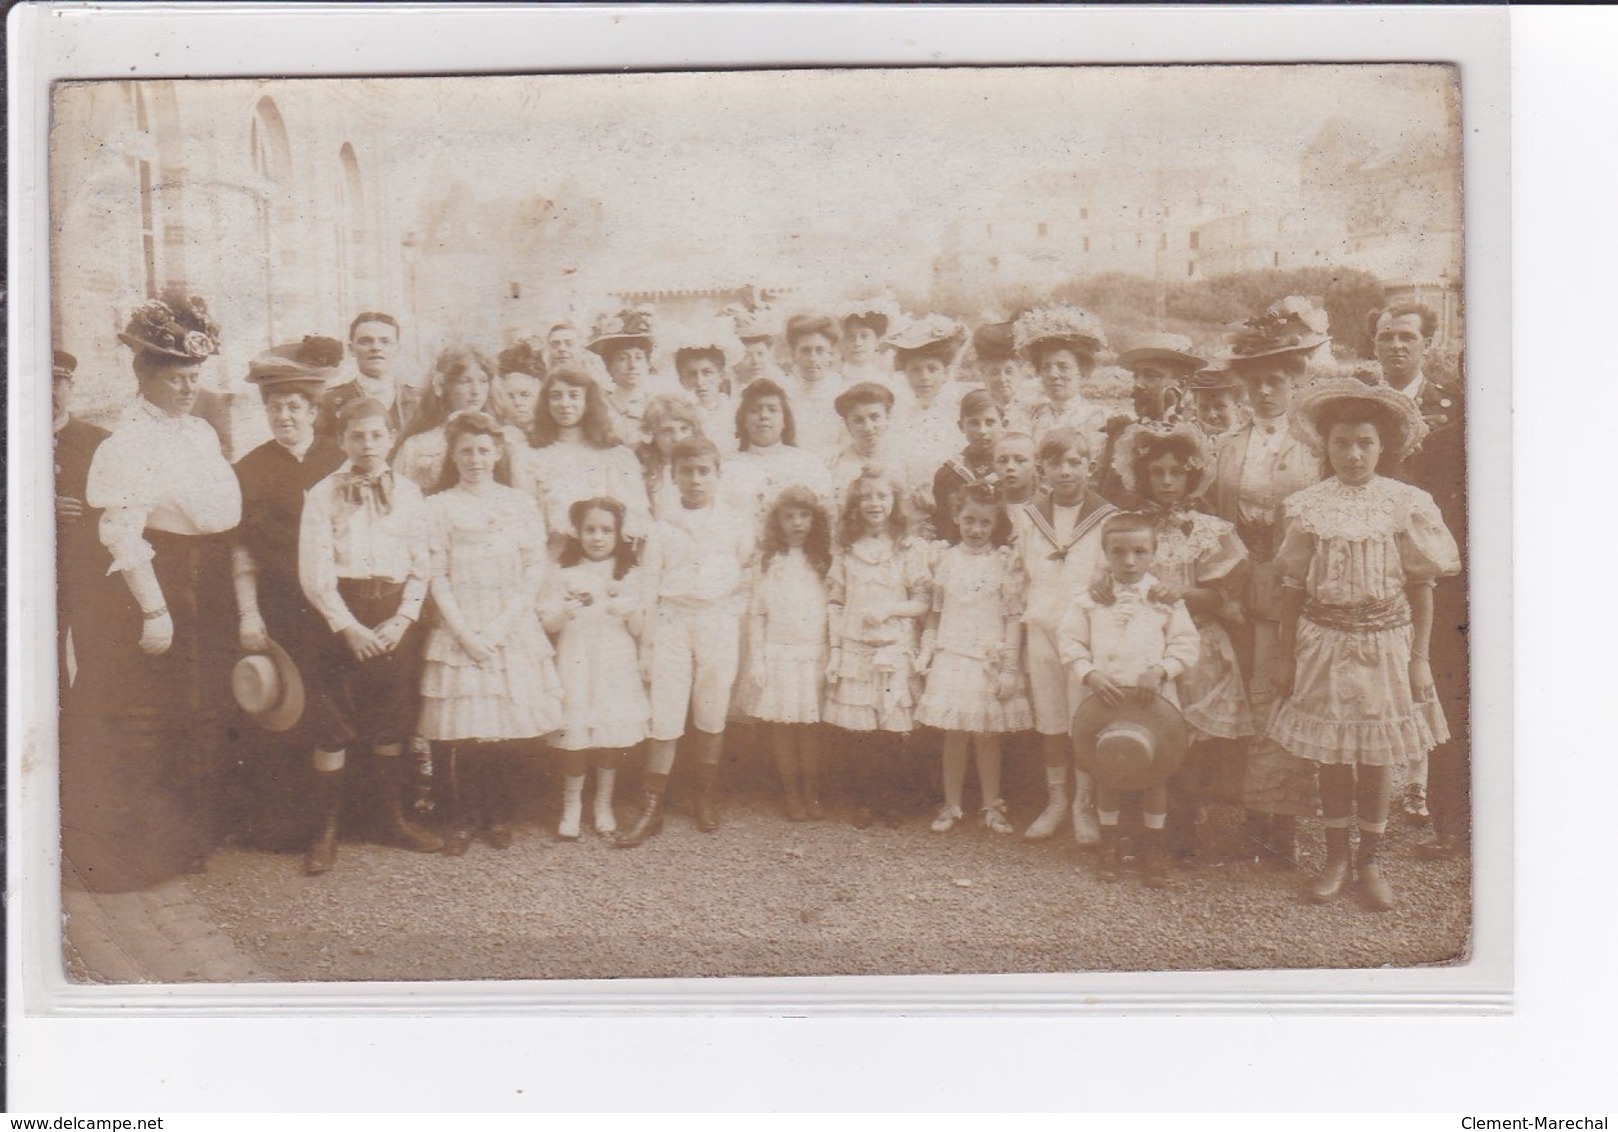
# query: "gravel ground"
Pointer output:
{"type": "Point", "coordinates": [766, 897]}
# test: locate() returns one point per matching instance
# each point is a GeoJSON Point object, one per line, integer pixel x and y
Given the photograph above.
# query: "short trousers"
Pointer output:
{"type": "Point", "coordinates": [694, 663]}
{"type": "Point", "coordinates": [1051, 688]}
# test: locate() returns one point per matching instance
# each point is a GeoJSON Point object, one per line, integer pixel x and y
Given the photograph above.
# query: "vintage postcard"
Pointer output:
{"type": "Point", "coordinates": [766, 523]}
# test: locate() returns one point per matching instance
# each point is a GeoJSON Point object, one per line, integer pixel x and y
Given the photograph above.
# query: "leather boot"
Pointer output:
{"type": "Point", "coordinates": [328, 800]}
{"type": "Point", "coordinates": [1151, 859]}
{"type": "Point", "coordinates": [707, 808]}
{"type": "Point", "coordinates": [1334, 878]}
{"type": "Point", "coordinates": [648, 822]}
{"type": "Point", "coordinates": [399, 827]}
{"type": "Point", "coordinates": [1374, 888]}
{"type": "Point", "coordinates": [1110, 856]}
{"type": "Point", "coordinates": [451, 765]}
{"type": "Point", "coordinates": [1086, 829]}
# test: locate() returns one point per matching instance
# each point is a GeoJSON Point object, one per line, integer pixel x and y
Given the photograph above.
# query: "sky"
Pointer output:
{"type": "Point", "coordinates": [678, 159]}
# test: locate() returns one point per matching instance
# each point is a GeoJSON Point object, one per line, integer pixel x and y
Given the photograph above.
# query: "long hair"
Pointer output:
{"type": "Point", "coordinates": [1182, 448]}
{"type": "Point", "coordinates": [852, 528]}
{"type": "Point", "coordinates": [432, 410]}
{"type": "Point", "coordinates": [624, 554]}
{"type": "Point", "coordinates": [817, 548]}
{"type": "Point", "coordinates": [660, 410]}
{"type": "Point", "coordinates": [471, 422]}
{"type": "Point", "coordinates": [989, 495]}
{"type": "Point", "coordinates": [757, 390]}
{"type": "Point", "coordinates": [597, 421]}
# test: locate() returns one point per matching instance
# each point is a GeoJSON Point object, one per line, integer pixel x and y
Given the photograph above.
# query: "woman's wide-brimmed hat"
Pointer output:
{"type": "Point", "coordinates": [751, 324]}
{"type": "Point", "coordinates": [1132, 746]}
{"type": "Point", "coordinates": [63, 364]}
{"type": "Point", "coordinates": [1175, 349]}
{"type": "Point", "coordinates": [1199, 453]}
{"type": "Point", "coordinates": [310, 361]}
{"type": "Point", "coordinates": [703, 335]}
{"type": "Point", "coordinates": [1292, 325]}
{"type": "Point", "coordinates": [631, 327]}
{"type": "Point", "coordinates": [1058, 326]}
{"type": "Point", "coordinates": [880, 314]}
{"type": "Point", "coordinates": [932, 334]}
{"type": "Point", "coordinates": [176, 326]}
{"type": "Point", "coordinates": [268, 687]}
{"type": "Point", "coordinates": [1368, 386]}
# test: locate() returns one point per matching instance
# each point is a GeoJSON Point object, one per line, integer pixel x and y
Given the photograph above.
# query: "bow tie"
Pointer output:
{"type": "Point", "coordinates": [377, 488]}
{"type": "Point", "coordinates": [1167, 518]}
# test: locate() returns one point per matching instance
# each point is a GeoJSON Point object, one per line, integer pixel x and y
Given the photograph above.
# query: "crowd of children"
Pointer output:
{"type": "Point", "coordinates": [1209, 597]}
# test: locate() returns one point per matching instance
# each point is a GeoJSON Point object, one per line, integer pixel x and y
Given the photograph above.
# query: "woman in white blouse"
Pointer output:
{"type": "Point", "coordinates": [169, 500]}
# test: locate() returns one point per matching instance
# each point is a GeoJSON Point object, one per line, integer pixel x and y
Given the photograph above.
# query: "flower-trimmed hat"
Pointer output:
{"type": "Point", "coordinates": [1176, 349]}
{"type": "Point", "coordinates": [1058, 326]}
{"type": "Point", "coordinates": [523, 356]}
{"type": "Point", "coordinates": [630, 327]}
{"type": "Point", "coordinates": [712, 336]}
{"type": "Point", "coordinates": [309, 362]}
{"type": "Point", "coordinates": [1135, 745]}
{"type": "Point", "coordinates": [751, 324]}
{"type": "Point", "coordinates": [176, 326]}
{"type": "Point", "coordinates": [994, 342]}
{"type": "Point", "coordinates": [933, 335]}
{"type": "Point", "coordinates": [1366, 386]}
{"type": "Point", "coordinates": [1182, 435]}
{"type": "Point", "coordinates": [1292, 325]}
{"type": "Point", "coordinates": [878, 314]}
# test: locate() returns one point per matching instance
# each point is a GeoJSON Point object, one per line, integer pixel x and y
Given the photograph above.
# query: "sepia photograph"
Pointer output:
{"type": "Point", "coordinates": [713, 524]}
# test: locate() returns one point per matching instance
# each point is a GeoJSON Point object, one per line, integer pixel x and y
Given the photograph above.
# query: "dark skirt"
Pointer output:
{"type": "Point", "coordinates": [143, 739]}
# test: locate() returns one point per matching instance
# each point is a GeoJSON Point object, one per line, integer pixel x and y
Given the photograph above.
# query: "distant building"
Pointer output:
{"type": "Point", "coordinates": [272, 200]}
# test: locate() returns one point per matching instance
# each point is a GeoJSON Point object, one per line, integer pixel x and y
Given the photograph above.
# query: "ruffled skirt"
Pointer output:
{"type": "Point", "coordinates": [515, 695]}
{"type": "Point", "coordinates": [1213, 697]}
{"type": "Point", "coordinates": [960, 696]}
{"type": "Point", "coordinates": [793, 687]}
{"type": "Point", "coordinates": [875, 689]}
{"type": "Point", "coordinates": [1351, 704]}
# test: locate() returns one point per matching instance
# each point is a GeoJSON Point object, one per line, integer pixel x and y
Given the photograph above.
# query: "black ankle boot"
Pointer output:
{"type": "Point", "coordinates": [707, 807]}
{"type": "Point", "coordinates": [400, 829]}
{"type": "Point", "coordinates": [452, 773]}
{"type": "Point", "coordinates": [647, 823]}
{"type": "Point", "coordinates": [494, 793]}
{"type": "Point", "coordinates": [328, 799]}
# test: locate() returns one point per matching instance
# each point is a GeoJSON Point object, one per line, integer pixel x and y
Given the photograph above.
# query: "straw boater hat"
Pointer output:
{"type": "Point", "coordinates": [268, 687]}
{"type": "Point", "coordinates": [1367, 386]}
{"type": "Point", "coordinates": [1213, 377]}
{"type": "Point", "coordinates": [994, 342]}
{"type": "Point", "coordinates": [176, 326]}
{"type": "Point", "coordinates": [1200, 457]}
{"type": "Point", "coordinates": [1292, 325]}
{"type": "Point", "coordinates": [1058, 326]}
{"type": "Point", "coordinates": [933, 334]}
{"type": "Point", "coordinates": [1175, 349]}
{"type": "Point", "coordinates": [1132, 746]}
{"type": "Point", "coordinates": [632, 327]}
{"type": "Point", "coordinates": [309, 362]}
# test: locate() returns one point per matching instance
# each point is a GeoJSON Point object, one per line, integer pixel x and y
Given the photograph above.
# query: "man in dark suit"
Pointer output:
{"type": "Point", "coordinates": [1401, 336]}
{"type": "Point", "coordinates": [373, 342]}
{"type": "Point", "coordinates": [82, 587]}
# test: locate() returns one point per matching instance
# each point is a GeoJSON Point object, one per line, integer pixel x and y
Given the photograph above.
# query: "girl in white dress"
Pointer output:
{"type": "Point", "coordinates": [578, 455]}
{"type": "Point", "coordinates": [596, 609]}
{"type": "Point", "coordinates": [1359, 556]}
{"type": "Point", "coordinates": [489, 685]}
{"type": "Point", "coordinates": [786, 643]}
{"type": "Point", "coordinates": [971, 651]}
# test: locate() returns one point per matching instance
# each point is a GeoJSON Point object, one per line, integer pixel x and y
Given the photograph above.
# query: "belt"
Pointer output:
{"type": "Point", "coordinates": [1364, 617]}
{"type": "Point", "coordinates": [369, 589]}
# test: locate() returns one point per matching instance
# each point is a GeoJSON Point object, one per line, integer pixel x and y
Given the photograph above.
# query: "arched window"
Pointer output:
{"type": "Point", "coordinates": [272, 162]}
{"type": "Point", "coordinates": [349, 218]}
{"type": "Point", "coordinates": [142, 153]}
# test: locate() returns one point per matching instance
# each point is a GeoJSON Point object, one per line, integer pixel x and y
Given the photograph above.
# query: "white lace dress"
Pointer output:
{"type": "Point", "coordinates": [606, 707]}
{"type": "Point", "coordinates": [973, 594]}
{"type": "Point", "coordinates": [1353, 551]}
{"type": "Point", "coordinates": [790, 595]}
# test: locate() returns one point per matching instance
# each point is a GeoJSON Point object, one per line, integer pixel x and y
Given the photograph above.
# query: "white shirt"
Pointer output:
{"type": "Point", "coordinates": [1255, 496]}
{"type": "Point", "coordinates": [164, 473]}
{"type": "Point", "coordinates": [1413, 390]}
{"type": "Point", "coordinates": [697, 558]}
{"type": "Point", "coordinates": [814, 414]}
{"type": "Point", "coordinates": [1122, 640]}
{"type": "Point", "coordinates": [339, 538]}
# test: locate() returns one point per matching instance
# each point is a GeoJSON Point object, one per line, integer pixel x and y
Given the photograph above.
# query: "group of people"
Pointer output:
{"type": "Point", "coordinates": [1226, 592]}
